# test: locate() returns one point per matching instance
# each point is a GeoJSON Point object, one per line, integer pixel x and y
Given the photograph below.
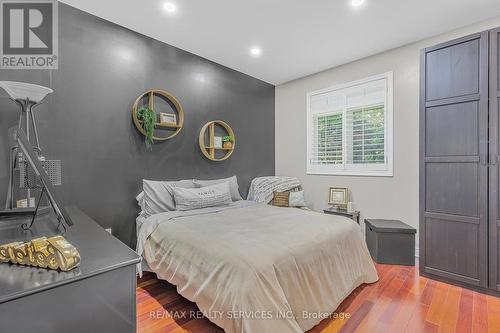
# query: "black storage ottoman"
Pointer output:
{"type": "Point", "coordinates": [391, 241]}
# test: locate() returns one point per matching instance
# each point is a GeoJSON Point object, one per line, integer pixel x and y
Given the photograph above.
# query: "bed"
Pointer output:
{"type": "Point", "coordinates": [255, 268]}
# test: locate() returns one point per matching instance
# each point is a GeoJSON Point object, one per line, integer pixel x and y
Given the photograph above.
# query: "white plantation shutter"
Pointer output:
{"type": "Point", "coordinates": [327, 120]}
{"type": "Point", "coordinates": [327, 140]}
{"type": "Point", "coordinates": [350, 128]}
{"type": "Point", "coordinates": [365, 135]}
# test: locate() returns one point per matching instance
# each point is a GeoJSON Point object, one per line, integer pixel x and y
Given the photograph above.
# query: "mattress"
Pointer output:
{"type": "Point", "coordinates": [258, 268]}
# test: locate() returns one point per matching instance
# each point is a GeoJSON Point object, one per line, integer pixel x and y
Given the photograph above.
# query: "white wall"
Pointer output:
{"type": "Point", "coordinates": [376, 197]}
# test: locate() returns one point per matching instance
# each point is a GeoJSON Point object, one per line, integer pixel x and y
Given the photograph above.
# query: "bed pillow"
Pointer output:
{"type": "Point", "coordinates": [289, 199]}
{"type": "Point", "coordinates": [140, 200]}
{"type": "Point", "coordinates": [281, 199]}
{"type": "Point", "coordinates": [296, 199]}
{"type": "Point", "coordinates": [207, 196]}
{"type": "Point", "coordinates": [158, 195]}
{"type": "Point", "coordinates": [233, 185]}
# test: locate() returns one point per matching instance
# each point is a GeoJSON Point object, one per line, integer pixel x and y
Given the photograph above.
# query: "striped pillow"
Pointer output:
{"type": "Point", "coordinates": [280, 199]}
{"type": "Point", "coordinates": [196, 198]}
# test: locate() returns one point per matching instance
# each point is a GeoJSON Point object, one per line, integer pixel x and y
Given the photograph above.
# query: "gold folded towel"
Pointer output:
{"type": "Point", "coordinates": [54, 253]}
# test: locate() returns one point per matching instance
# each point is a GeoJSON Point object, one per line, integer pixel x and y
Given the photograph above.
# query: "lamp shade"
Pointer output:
{"type": "Point", "coordinates": [22, 90]}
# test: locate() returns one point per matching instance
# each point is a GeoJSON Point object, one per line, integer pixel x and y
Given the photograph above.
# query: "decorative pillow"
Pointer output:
{"type": "Point", "coordinates": [281, 199]}
{"type": "Point", "coordinates": [208, 196]}
{"type": "Point", "coordinates": [296, 199]}
{"type": "Point", "coordinates": [233, 185]}
{"type": "Point", "coordinates": [262, 188]}
{"type": "Point", "coordinates": [158, 195]}
{"type": "Point", "coordinates": [291, 198]}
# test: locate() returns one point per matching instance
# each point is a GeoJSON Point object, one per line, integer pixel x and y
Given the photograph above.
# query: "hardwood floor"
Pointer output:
{"type": "Point", "coordinates": [401, 301]}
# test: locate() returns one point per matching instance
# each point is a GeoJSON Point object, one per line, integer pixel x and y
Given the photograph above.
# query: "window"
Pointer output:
{"type": "Point", "coordinates": [349, 128]}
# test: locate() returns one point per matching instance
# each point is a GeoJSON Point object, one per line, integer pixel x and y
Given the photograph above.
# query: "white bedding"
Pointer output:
{"type": "Point", "coordinates": [257, 268]}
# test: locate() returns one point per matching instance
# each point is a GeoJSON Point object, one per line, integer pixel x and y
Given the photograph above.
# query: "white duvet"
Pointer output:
{"type": "Point", "coordinates": [257, 268]}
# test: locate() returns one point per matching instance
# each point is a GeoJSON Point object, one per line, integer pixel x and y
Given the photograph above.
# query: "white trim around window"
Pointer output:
{"type": "Point", "coordinates": [350, 128]}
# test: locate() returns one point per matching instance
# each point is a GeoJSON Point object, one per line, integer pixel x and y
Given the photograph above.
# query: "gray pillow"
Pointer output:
{"type": "Point", "coordinates": [233, 185]}
{"type": "Point", "coordinates": [158, 195]}
{"type": "Point", "coordinates": [208, 196]}
{"type": "Point", "coordinates": [140, 200]}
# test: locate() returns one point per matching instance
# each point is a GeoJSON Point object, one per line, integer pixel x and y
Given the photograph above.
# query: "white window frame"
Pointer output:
{"type": "Point", "coordinates": [380, 170]}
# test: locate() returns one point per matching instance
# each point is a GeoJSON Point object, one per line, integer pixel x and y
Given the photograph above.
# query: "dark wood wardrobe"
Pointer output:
{"type": "Point", "coordinates": [459, 155]}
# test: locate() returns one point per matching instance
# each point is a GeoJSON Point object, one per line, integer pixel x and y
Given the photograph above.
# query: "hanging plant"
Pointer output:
{"type": "Point", "coordinates": [148, 118]}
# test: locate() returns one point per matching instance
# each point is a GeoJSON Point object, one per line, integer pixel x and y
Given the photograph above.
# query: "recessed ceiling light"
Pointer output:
{"type": "Point", "coordinates": [255, 51]}
{"type": "Point", "coordinates": [169, 7]}
{"type": "Point", "coordinates": [357, 3]}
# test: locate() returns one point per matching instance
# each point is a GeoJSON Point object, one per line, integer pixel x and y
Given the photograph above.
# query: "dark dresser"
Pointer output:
{"type": "Point", "coordinates": [97, 296]}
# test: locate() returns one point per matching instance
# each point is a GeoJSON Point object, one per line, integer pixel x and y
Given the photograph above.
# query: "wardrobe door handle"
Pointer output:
{"type": "Point", "coordinates": [482, 159]}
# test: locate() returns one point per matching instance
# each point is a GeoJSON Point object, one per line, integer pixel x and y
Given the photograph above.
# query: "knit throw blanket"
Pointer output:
{"type": "Point", "coordinates": [262, 188]}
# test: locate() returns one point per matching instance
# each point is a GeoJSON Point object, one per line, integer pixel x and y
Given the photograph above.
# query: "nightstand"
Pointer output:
{"type": "Point", "coordinates": [343, 212]}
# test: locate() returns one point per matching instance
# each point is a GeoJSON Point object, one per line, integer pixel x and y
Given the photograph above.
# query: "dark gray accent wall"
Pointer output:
{"type": "Point", "coordinates": [86, 123]}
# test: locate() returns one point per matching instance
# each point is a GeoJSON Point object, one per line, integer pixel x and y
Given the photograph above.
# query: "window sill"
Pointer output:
{"type": "Point", "coordinates": [352, 173]}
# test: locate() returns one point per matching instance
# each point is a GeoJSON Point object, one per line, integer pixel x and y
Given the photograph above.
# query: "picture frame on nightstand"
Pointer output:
{"type": "Point", "coordinates": [338, 197]}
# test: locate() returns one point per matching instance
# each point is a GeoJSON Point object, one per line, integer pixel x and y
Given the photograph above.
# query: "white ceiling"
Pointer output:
{"type": "Point", "coordinates": [297, 37]}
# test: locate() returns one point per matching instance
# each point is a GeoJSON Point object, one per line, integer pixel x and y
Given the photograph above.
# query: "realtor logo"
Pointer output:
{"type": "Point", "coordinates": [29, 34]}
